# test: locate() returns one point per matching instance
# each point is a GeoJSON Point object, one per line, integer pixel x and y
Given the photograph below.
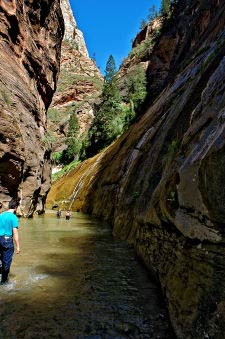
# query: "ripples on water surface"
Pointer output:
{"type": "Point", "coordinates": [73, 280]}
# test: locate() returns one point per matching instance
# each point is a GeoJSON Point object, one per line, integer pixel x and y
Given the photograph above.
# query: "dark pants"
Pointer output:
{"type": "Point", "coordinates": [6, 251]}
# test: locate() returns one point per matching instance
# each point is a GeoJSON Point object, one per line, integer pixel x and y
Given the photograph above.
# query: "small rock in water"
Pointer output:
{"type": "Point", "coordinates": [199, 246]}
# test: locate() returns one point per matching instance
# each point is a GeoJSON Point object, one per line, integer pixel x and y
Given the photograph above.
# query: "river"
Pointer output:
{"type": "Point", "coordinates": [72, 279]}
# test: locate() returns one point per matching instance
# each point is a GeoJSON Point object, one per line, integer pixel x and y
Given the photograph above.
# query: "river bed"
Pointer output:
{"type": "Point", "coordinates": [72, 279]}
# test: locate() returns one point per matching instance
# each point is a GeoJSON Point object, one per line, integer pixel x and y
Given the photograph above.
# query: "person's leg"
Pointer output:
{"type": "Point", "coordinates": [5, 273]}
{"type": "Point", "coordinates": [7, 255]}
{"type": "Point", "coordinates": [0, 258]}
{"type": "Point", "coordinates": [1, 253]}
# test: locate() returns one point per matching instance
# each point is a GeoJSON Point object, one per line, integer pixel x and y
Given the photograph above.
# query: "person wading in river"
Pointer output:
{"type": "Point", "coordinates": [68, 215]}
{"type": "Point", "coordinates": [8, 233]}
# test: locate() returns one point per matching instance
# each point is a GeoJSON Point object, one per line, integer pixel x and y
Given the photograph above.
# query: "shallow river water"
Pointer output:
{"type": "Point", "coordinates": [73, 280]}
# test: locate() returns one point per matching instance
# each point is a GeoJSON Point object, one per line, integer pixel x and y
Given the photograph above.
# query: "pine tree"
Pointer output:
{"type": "Point", "coordinates": [143, 24]}
{"type": "Point", "coordinates": [107, 123]}
{"type": "Point", "coordinates": [136, 83]}
{"type": "Point", "coordinates": [152, 13]}
{"type": "Point", "coordinates": [165, 6]}
{"type": "Point", "coordinates": [110, 69]}
{"type": "Point", "coordinates": [72, 140]}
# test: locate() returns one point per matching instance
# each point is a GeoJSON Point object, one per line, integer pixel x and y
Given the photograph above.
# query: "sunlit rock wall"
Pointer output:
{"type": "Point", "coordinates": [79, 84]}
{"type": "Point", "coordinates": [30, 40]}
{"type": "Point", "coordinates": [72, 33]}
{"type": "Point", "coordinates": [162, 183]}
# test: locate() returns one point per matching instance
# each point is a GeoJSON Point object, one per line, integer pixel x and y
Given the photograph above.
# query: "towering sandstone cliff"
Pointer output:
{"type": "Point", "coordinates": [30, 39]}
{"type": "Point", "coordinates": [72, 33]}
{"type": "Point", "coordinates": [79, 84]}
{"type": "Point", "coordinates": [161, 184]}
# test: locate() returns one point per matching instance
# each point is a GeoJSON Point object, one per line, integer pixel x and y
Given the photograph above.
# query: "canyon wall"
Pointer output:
{"type": "Point", "coordinates": [161, 184]}
{"type": "Point", "coordinates": [79, 86]}
{"type": "Point", "coordinates": [30, 42]}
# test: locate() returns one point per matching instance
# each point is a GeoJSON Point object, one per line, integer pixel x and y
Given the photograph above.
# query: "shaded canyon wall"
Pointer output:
{"type": "Point", "coordinates": [161, 184]}
{"type": "Point", "coordinates": [30, 42]}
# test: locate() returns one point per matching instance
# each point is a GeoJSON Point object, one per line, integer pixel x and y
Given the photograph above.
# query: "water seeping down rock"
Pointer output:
{"type": "Point", "coordinates": [161, 184]}
{"type": "Point", "coordinates": [30, 42]}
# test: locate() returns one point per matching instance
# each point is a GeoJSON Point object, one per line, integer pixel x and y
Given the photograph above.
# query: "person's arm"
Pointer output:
{"type": "Point", "coordinates": [16, 239]}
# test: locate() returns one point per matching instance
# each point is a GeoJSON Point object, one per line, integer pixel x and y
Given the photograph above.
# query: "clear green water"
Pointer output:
{"type": "Point", "coordinates": [73, 280]}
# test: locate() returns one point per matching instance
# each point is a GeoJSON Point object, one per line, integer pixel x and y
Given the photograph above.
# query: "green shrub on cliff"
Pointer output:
{"type": "Point", "coordinates": [71, 44]}
{"type": "Point", "coordinates": [70, 78]}
{"type": "Point", "coordinates": [136, 83]}
{"type": "Point", "coordinates": [141, 49]}
{"type": "Point", "coordinates": [56, 157]}
{"type": "Point", "coordinates": [48, 140]}
{"type": "Point", "coordinates": [72, 140]}
{"type": "Point", "coordinates": [5, 96]}
{"type": "Point", "coordinates": [115, 113]}
{"type": "Point", "coordinates": [112, 116]}
{"type": "Point", "coordinates": [65, 170]}
{"type": "Point", "coordinates": [152, 13]}
{"type": "Point", "coordinates": [55, 115]}
{"type": "Point", "coordinates": [107, 125]}
{"type": "Point", "coordinates": [165, 6]}
{"type": "Point", "coordinates": [143, 24]}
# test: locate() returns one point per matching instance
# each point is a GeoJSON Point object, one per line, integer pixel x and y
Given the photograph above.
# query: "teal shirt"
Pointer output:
{"type": "Point", "coordinates": [8, 221]}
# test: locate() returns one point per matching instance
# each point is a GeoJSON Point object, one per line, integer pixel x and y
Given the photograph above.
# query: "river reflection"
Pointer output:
{"type": "Point", "coordinates": [73, 280]}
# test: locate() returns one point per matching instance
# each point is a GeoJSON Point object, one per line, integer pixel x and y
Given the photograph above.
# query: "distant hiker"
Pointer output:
{"type": "Point", "coordinates": [59, 213]}
{"type": "Point", "coordinates": [68, 215]}
{"type": "Point", "coordinates": [8, 233]}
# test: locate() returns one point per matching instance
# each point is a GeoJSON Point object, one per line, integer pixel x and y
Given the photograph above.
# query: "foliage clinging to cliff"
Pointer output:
{"type": "Point", "coordinates": [72, 140]}
{"type": "Point", "coordinates": [107, 123]}
{"type": "Point", "coordinates": [115, 113]}
{"type": "Point", "coordinates": [136, 86]}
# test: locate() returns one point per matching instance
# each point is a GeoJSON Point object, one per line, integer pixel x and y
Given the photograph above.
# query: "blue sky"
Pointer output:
{"type": "Point", "coordinates": [109, 26]}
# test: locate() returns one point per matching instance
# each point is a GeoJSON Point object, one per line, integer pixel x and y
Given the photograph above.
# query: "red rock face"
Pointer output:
{"type": "Point", "coordinates": [30, 40]}
{"type": "Point", "coordinates": [79, 85]}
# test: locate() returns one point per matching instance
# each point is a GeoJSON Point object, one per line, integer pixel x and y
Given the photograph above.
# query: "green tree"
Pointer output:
{"type": "Point", "coordinates": [110, 70]}
{"type": "Point", "coordinates": [152, 13]}
{"type": "Point", "coordinates": [72, 140]}
{"type": "Point", "coordinates": [107, 123]}
{"type": "Point", "coordinates": [56, 157]}
{"type": "Point", "coordinates": [143, 24]}
{"type": "Point", "coordinates": [136, 86]}
{"type": "Point", "coordinates": [165, 6]}
{"type": "Point", "coordinates": [110, 92]}
{"type": "Point", "coordinates": [113, 116]}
